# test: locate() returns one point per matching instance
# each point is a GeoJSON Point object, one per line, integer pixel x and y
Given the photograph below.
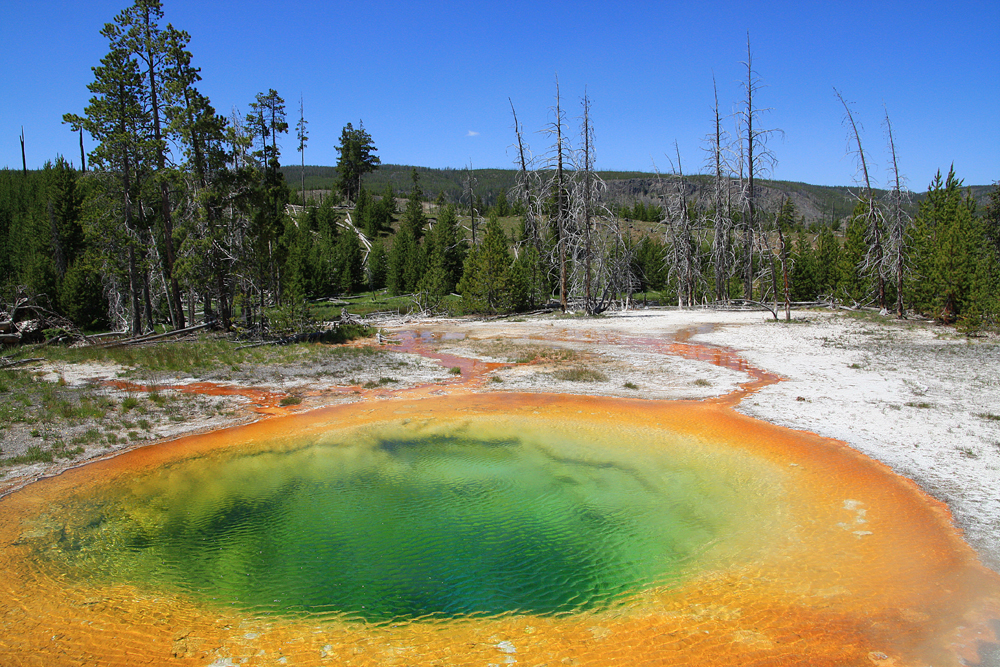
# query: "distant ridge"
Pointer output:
{"type": "Point", "coordinates": [815, 203]}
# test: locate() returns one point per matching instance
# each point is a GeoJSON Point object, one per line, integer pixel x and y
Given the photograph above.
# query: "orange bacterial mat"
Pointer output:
{"type": "Point", "coordinates": [840, 562]}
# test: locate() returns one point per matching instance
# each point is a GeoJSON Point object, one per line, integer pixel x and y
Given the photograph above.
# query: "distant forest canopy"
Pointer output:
{"type": "Point", "coordinates": [815, 203]}
{"type": "Point", "coordinates": [182, 215]}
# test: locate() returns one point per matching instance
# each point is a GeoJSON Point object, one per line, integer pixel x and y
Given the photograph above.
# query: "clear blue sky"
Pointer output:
{"type": "Point", "coordinates": [431, 79]}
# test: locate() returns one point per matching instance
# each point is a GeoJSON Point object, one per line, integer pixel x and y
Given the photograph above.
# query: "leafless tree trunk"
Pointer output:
{"type": "Point", "coordinates": [756, 160]}
{"type": "Point", "coordinates": [527, 186]}
{"type": "Point", "coordinates": [303, 136]}
{"type": "Point", "coordinates": [898, 224]}
{"type": "Point", "coordinates": [83, 156]}
{"type": "Point", "coordinates": [680, 238]}
{"type": "Point", "coordinates": [873, 261]}
{"type": "Point", "coordinates": [24, 161]}
{"type": "Point", "coordinates": [470, 193]}
{"type": "Point", "coordinates": [587, 166]}
{"type": "Point", "coordinates": [721, 217]}
{"type": "Point", "coordinates": [557, 160]}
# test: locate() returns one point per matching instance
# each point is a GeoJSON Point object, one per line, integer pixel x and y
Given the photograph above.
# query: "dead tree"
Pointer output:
{"type": "Point", "coordinates": [756, 161]}
{"type": "Point", "coordinates": [721, 220]}
{"type": "Point", "coordinates": [469, 186]}
{"type": "Point", "coordinates": [601, 259]}
{"type": "Point", "coordinates": [526, 192]}
{"type": "Point", "coordinates": [873, 261]}
{"type": "Point", "coordinates": [680, 237]}
{"type": "Point", "coordinates": [527, 186]}
{"type": "Point", "coordinates": [303, 136]}
{"type": "Point", "coordinates": [898, 224]}
{"type": "Point", "coordinates": [559, 217]}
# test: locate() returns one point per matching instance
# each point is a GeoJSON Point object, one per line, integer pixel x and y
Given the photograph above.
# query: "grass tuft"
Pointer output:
{"type": "Point", "coordinates": [579, 374]}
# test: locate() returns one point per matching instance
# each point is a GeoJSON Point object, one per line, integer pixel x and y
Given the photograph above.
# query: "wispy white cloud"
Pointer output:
{"type": "Point", "coordinates": [472, 134]}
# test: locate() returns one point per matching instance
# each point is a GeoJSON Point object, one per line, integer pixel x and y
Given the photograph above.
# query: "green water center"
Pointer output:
{"type": "Point", "coordinates": [399, 522]}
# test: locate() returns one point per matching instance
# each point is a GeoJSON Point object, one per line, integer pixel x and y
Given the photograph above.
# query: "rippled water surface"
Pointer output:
{"type": "Point", "coordinates": [402, 522]}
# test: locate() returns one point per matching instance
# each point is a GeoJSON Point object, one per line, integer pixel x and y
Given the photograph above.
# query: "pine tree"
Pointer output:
{"type": "Point", "coordinates": [947, 244]}
{"type": "Point", "coordinates": [406, 263]}
{"type": "Point", "coordinates": [376, 266]}
{"type": "Point", "coordinates": [805, 269]}
{"type": "Point", "coordinates": [413, 216]}
{"type": "Point", "coordinates": [445, 255]}
{"type": "Point", "coordinates": [827, 262]}
{"type": "Point", "coordinates": [357, 158]}
{"type": "Point", "coordinates": [852, 283]}
{"type": "Point", "coordinates": [487, 283]}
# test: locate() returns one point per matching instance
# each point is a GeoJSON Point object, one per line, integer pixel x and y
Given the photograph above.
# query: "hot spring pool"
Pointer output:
{"type": "Point", "coordinates": [547, 527]}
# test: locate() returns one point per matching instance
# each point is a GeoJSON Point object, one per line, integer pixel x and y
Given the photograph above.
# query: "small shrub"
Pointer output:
{"type": "Point", "coordinates": [455, 370]}
{"type": "Point", "coordinates": [702, 382]}
{"type": "Point", "coordinates": [989, 415]}
{"type": "Point", "coordinates": [631, 385]}
{"type": "Point", "coordinates": [290, 400]}
{"type": "Point", "coordinates": [496, 378]}
{"type": "Point", "coordinates": [580, 375]}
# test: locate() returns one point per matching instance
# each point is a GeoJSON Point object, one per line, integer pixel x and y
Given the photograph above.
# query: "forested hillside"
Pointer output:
{"type": "Point", "coordinates": [183, 215]}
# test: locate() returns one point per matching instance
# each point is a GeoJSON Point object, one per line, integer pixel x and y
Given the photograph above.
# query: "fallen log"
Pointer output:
{"type": "Point", "coordinates": [139, 340]}
{"type": "Point", "coordinates": [8, 363]}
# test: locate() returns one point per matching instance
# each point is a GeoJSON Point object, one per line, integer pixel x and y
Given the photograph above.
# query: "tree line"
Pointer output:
{"type": "Point", "coordinates": [181, 211]}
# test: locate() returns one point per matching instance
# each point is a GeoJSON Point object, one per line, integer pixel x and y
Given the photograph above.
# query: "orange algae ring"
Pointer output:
{"type": "Point", "coordinates": [831, 558]}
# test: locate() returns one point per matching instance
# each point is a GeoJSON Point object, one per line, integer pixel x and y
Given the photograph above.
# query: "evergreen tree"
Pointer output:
{"type": "Point", "coordinates": [445, 255]}
{"type": "Point", "coordinates": [357, 158]}
{"type": "Point", "coordinates": [827, 262]}
{"type": "Point", "coordinates": [350, 270]}
{"type": "Point", "coordinates": [852, 283]}
{"type": "Point", "coordinates": [406, 263]}
{"type": "Point", "coordinates": [377, 266]}
{"type": "Point", "coordinates": [651, 264]}
{"type": "Point", "coordinates": [948, 242]}
{"type": "Point", "coordinates": [805, 269]}
{"type": "Point", "coordinates": [413, 216]}
{"type": "Point", "coordinates": [487, 283]}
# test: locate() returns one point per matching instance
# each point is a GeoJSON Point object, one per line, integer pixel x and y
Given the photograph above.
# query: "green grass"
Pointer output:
{"type": "Point", "coordinates": [290, 400]}
{"type": "Point", "coordinates": [209, 352]}
{"type": "Point", "coordinates": [579, 374]}
{"type": "Point", "coordinates": [989, 416]}
{"type": "Point", "coordinates": [35, 454]}
{"type": "Point", "coordinates": [631, 385]}
{"type": "Point", "coordinates": [922, 405]}
{"type": "Point", "coordinates": [455, 370]}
